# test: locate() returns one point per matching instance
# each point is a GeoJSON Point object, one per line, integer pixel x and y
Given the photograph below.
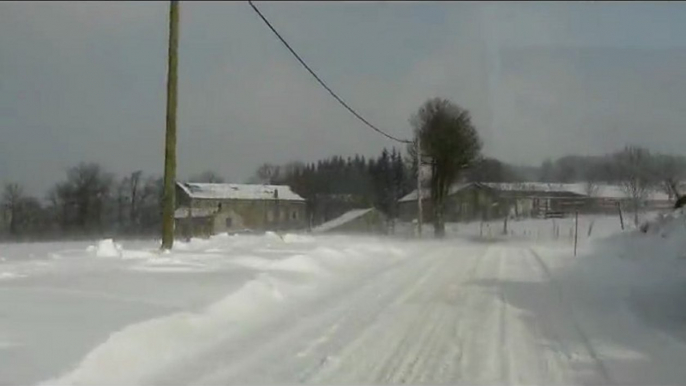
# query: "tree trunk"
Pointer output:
{"type": "Point", "coordinates": [439, 222]}
{"type": "Point", "coordinates": [14, 219]}
{"type": "Point", "coordinates": [439, 201]}
{"type": "Point", "coordinates": [636, 216]}
{"type": "Point", "coordinates": [636, 206]}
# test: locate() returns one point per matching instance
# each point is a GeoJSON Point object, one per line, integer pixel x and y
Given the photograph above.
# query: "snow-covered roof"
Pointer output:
{"type": "Point", "coordinates": [197, 190]}
{"type": "Point", "coordinates": [608, 191]}
{"type": "Point", "coordinates": [338, 221]}
{"type": "Point", "coordinates": [542, 187]}
{"type": "Point", "coordinates": [611, 191]}
{"type": "Point", "coordinates": [426, 193]}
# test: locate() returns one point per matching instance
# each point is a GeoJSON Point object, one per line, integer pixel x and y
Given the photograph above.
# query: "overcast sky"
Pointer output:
{"type": "Point", "coordinates": [86, 81]}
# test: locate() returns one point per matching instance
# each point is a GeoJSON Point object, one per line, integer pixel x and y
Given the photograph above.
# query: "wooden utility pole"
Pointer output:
{"type": "Point", "coordinates": [419, 186]}
{"type": "Point", "coordinates": [170, 137]}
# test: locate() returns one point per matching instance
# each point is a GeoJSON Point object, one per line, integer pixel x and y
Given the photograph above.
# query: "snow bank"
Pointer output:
{"type": "Point", "coordinates": [10, 275]}
{"type": "Point", "coordinates": [106, 248]}
{"type": "Point", "coordinates": [290, 238]}
{"type": "Point", "coordinates": [272, 235]}
{"type": "Point", "coordinates": [297, 263]}
{"type": "Point", "coordinates": [251, 262]}
{"type": "Point", "coordinates": [133, 254]}
{"type": "Point", "coordinates": [141, 350]}
{"type": "Point", "coordinates": [664, 239]}
{"type": "Point", "coordinates": [170, 264]}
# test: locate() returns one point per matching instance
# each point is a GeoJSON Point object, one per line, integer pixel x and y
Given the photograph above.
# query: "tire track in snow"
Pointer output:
{"type": "Point", "coordinates": [458, 333]}
{"type": "Point", "coordinates": [412, 345]}
{"type": "Point", "coordinates": [393, 346]}
{"type": "Point", "coordinates": [430, 363]}
{"type": "Point", "coordinates": [272, 356]}
{"type": "Point", "coordinates": [503, 326]}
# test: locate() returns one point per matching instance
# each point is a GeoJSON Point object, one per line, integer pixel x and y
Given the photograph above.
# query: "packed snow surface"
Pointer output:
{"type": "Point", "coordinates": [475, 308]}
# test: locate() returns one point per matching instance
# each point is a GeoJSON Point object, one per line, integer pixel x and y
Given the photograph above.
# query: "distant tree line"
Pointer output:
{"type": "Point", "coordinates": [632, 164]}
{"type": "Point", "coordinates": [88, 202]}
{"type": "Point", "coordinates": [336, 184]}
{"type": "Point", "coordinates": [91, 202]}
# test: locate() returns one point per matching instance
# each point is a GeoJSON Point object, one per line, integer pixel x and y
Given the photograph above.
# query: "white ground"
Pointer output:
{"type": "Point", "coordinates": [343, 309]}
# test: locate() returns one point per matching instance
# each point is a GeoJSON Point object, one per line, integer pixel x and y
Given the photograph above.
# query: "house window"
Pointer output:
{"type": "Point", "coordinates": [229, 222]}
{"type": "Point", "coordinates": [294, 215]}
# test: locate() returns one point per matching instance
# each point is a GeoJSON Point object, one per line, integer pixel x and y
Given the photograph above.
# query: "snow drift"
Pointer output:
{"type": "Point", "coordinates": [106, 248]}
{"type": "Point", "coordinates": [143, 349]}
{"type": "Point", "coordinates": [139, 352]}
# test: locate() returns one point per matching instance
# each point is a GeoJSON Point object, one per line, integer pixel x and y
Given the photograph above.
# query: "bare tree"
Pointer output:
{"type": "Point", "coordinates": [209, 177]}
{"type": "Point", "coordinates": [450, 144]}
{"type": "Point", "coordinates": [591, 188]}
{"type": "Point", "coordinates": [83, 197]}
{"type": "Point", "coordinates": [33, 217]}
{"type": "Point", "coordinates": [267, 174]}
{"type": "Point", "coordinates": [288, 170]}
{"type": "Point", "coordinates": [670, 170]}
{"type": "Point", "coordinates": [491, 170]}
{"type": "Point", "coordinates": [122, 201]}
{"type": "Point", "coordinates": [634, 167]}
{"type": "Point", "coordinates": [25, 214]}
{"type": "Point", "coordinates": [12, 198]}
{"type": "Point", "coordinates": [149, 207]}
{"type": "Point", "coordinates": [128, 197]}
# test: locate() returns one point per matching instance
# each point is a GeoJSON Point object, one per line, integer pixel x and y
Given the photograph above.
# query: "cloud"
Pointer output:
{"type": "Point", "coordinates": [86, 81]}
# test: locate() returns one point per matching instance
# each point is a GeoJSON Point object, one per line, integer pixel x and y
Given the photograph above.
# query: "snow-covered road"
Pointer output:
{"type": "Point", "coordinates": [342, 310]}
{"type": "Point", "coordinates": [444, 317]}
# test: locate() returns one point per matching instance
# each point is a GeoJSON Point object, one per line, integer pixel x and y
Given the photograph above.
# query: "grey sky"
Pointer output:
{"type": "Point", "coordinates": [86, 81]}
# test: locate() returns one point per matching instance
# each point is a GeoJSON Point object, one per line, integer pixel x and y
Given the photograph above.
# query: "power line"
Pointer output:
{"type": "Point", "coordinates": [321, 82]}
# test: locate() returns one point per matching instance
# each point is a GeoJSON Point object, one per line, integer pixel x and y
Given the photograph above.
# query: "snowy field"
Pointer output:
{"type": "Point", "coordinates": [476, 308]}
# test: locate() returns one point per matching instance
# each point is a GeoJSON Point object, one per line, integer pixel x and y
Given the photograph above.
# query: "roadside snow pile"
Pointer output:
{"type": "Point", "coordinates": [254, 262]}
{"type": "Point", "coordinates": [668, 225]}
{"type": "Point", "coordinates": [171, 264]}
{"type": "Point", "coordinates": [132, 354]}
{"type": "Point", "coordinates": [10, 275]}
{"type": "Point", "coordinates": [106, 248]}
{"type": "Point", "coordinates": [139, 352]}
{"type": "Point", "coordinates": [193, 244]}
{"type": "Point", "coordinates": [663, 237]}
{"type": "Point", "coordinates": [290, 238]}
{"type": "Point", "coordinates": [273, 235]}
{"type": "Point", "coordinates": [628, 280]}
{"type": "Point", "coordinates": [297, 263]}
